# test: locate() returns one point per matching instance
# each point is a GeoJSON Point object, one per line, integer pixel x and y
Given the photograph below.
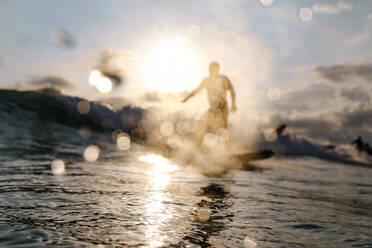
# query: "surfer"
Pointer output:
{"type": "Point", "coordinates": [362, 146]}
{"type": "Point", "coordinates": [216, 117]}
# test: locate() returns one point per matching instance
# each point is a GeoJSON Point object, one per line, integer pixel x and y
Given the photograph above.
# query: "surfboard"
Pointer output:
{"type": "Point", "coordinates": [252, 156]}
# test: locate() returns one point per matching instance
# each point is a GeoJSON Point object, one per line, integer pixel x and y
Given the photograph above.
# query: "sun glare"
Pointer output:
{"type": "Point", "coordinates": [161, 164]}
{"type": "Point", "coordinates": [172, 66]}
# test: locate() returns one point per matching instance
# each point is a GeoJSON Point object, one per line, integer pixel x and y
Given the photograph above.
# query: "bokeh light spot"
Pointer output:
{"type": "Point", "coordinates": [91, 153]}
{"type": "Point", "coordinates": [174, 140]}
{"type": "Point", "coordinates": [210, 27]}
{"type": "Point", "coordinates": [273, 94]}
{"type": "Point", "coordinates": [58, 167]}
{"type": "Point", "coordinates": [193, 31]}
{"type": "Point", "coordinates": [219, 9]}
{"type": "Point", "coordinates": [305, 14]}
{"type": "Point", "coordinates": [104, 85]}
{"type": "Point", "coordinates": [83, 107]}
{"type": "Point", "coordinates": [267, 3]}
{"type": "Point", "coordinates": [210, 140]}
{"type": "Point", "coordinates": [166, 129]}
{"type": "Point", "coordinates": [249, 243]}
{"type": "Point", "coordinates": [85, 132]}
{"type": "Point", "coordinates": [94, 77]}
{"type": "Point", "coordinates": [123, 142]}
{"type": "Point", "coordinates": [204, 214]}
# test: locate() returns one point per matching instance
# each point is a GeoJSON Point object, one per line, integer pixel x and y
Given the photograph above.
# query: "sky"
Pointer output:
{"type": "Point", "coordinates": [306, 63]}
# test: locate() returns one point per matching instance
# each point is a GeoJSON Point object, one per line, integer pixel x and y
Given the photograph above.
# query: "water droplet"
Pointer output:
{"type": "Point", "coordinates": [219, 9]}
{"type": "Point", "coordinates": [193, 31]}
{"type": "Point", "coordinates": [249, 243]}
{"type": "Point", "coordinates": [174, 140]}
{"type": "Point", "coordinates": [166, 129]}
{"type": "Point", "coordinates": [204, 214]}
{"type": "Point", "coordinates": [94, 77]}
{"type": "Point", "coordinates": [91, 153]}
{"type": "Point", "coordinates": [58, 167]}
{"type": "Point", "coordinates": [210, 27]}
{"type": "Point", "coordinates": [273, 94]}
{"type": "Point", "coordinates": [83, 107]}
{"type": "Point", "coordinates": [123, 142]}
{"type": "Point", "coordinates": [267, 3]}
{"type": "Point", "coordinates": [305, 14]}
{"type": "Point", "coordinates": [210, 140]}
{"type": "Point", "coordinates": [85, 132]}
{"type": "Point", "coordinates": [104, 85]}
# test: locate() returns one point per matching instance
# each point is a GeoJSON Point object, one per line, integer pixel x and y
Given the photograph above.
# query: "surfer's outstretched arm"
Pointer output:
{"type": "Point", "coordinates": [232, 92]}
{"type": "Point", "coordinates": [194, 92]}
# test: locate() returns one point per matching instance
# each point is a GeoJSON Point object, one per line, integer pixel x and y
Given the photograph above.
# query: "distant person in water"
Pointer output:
{"type": "Point", "coordinates": [216, 117]}
{"type": "Point", "coordinates": [279, 130]}
{"type": "Point", "coordinates": [362, 146]}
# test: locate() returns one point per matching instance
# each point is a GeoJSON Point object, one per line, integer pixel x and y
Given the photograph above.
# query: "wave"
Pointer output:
{"type": "Point", "coordinates": [291, 145]}
{"type": "Point", "coordinates": [50, 105]}
{"type": "Point", "coordinates": [28, 120]}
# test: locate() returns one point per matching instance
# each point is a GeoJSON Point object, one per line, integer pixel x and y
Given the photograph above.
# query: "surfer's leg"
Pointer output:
{"type": "Point", "coordinates": [223, 127]}
{"type": "Point", "coordinates": [202, 129]}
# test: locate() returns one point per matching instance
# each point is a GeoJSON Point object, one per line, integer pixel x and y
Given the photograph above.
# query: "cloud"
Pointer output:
{"type": "Point", "coordinates": [109, 63]}
{"type": "Point", "coordinates": [359, 39]}
{"type": "Point", "coordinates": [341, 73]}
{"type": "Point", "coordinates": [340, 127]}
{"type": "Point", "coordinates": [358, 116]}
{"type": "Point", "coordinates": [52, 81]}
{"type": "Point", "coordinates": [332, 8]}
{"type": "Point", "coordinates": [369, 19]}
{"type": "Point", "coordinates": [64, 38]}
{"type": "Point", "coordinates": [355, 94]}
{"type": "Point", "coordinates": [315, 127]}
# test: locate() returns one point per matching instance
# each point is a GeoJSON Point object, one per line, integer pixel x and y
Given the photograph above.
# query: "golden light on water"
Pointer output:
{"type": "Point", "coordinates": [102, 84]}
{"type": "Point", "coordinates": [160, 164]}
{"type": "Point", "coordinates": [159, 173]}
{"type": "Point", "coordinates": [172, 65]}
{"type": "Point", "coordinates": [155, 209]}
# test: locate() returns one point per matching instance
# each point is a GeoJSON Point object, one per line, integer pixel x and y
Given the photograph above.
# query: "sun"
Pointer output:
{"type": "Point", "coordinates": [172, 66]}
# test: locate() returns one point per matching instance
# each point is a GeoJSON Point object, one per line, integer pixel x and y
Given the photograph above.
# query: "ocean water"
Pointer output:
{"type": "Point", "coordinates": [122, 199]}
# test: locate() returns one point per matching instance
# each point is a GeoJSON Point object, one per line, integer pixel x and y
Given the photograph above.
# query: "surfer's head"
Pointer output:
{"type": "Point", "coordinates": [214, 68]}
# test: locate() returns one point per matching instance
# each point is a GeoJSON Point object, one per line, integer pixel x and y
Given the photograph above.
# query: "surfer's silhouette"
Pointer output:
{"type": "Point", "coordinates": [216, 117]}
{"type": "Point", "coordinates": [362, 146]}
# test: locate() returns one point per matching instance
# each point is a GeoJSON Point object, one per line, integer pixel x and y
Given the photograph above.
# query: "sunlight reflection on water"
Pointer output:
{"type": "Point", "coordinates": [158, 181]}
